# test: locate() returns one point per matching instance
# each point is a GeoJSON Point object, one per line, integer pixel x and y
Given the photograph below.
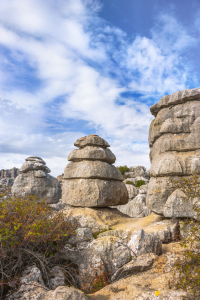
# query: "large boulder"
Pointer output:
{"type": "Point", "coordinates": [34, 180]}
{"type": "Point", "coordinates": [90, 180]}
{"type": "Point", "coordinates": [94, 192]}
{"type": "Point", "coordinates": [174, 140]}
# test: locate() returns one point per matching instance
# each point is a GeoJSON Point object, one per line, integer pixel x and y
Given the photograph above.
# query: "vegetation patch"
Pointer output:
{"type": "Point", "coordinates": [30, 233]}
{"type": "Point", "coordinates": [188, 271]}
{"type": "Point", "coordinates": [139, 183]}
{"type": "Point", "coordinates": [130, 182]}
{"type": "Point", "coordinates": [123, 169]}
{"type": "Point", "coordinates": [95, 235]}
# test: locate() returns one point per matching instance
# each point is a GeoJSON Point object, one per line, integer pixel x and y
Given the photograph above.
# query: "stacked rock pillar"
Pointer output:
{"type": "Point", "coordinates": [174, 140]}
{"type": "Point", "coordinates": [90, 179]}
{"type": "Point", "coordinates": [34, 180]}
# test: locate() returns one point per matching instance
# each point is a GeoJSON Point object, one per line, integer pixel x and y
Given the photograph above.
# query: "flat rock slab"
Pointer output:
{"type": "Point", "coordinates": [92, 169]}
{"type": "Point", "coordinates": [92, 153]}
{"type": "Point", "coordinates": [94, 192]}
{"type": "Point", "coordinates": [115, 223]}
{"type": "Point", "coordinates": [91, 140]}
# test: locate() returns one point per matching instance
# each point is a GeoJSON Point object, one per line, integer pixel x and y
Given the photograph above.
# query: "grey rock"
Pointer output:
{"type": "Point", "coordinates": [142, 242]}
{"type": "Point", "coordinates": [159, 189]}
{"type": "Point", "coordinates": [94, 192]}
{"type": "Point", "coordinates": [44, 187]}
{"type": "Point", "coordinates": [178, 205]}
{"type": "Point", "coordinates": [58, 206]}
{"type": "Point", "coordinates": [82, 237]}
{"type": "Point", "coordinates": [91, 140]}
{"type": "Point", "coordinates": [138, 171]}
{"type": "Point", "coordinates": [40, 174]}
{"type": "Point", "coordinates": [166, 230]}
{"type": "Point", "coordinates": [32, 274]}
{"type": "Point", "coordinates": [106, 254]}
{"type": "Point", "coordinates": [35, 292]}
{"type": "Point", "coordinates": [132, 191]}
{"type": "Point", "coordinates": [136, 208]}
{"type": "Point", "coordinates": [92, 153]}
{"type": "Point", "coordinates": [92, 169]}
{"type": "Point", "coordinates": [143, 189]}
{"type": "Point", "coordinates": [175, 98]}
{"type": "Point", "coordinates": [140, 264]}
{"type": "Point", "coordinates": [58, 278]}
{"type": "Point", "coordinates": [65, 293]}
{"type": "Point", "coordinates": [36, 159]}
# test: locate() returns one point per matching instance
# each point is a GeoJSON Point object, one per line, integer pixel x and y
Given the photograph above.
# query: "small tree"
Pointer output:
{"type": "Point", "coordinates": [189, 269]}
{"type": "Point", "coordinates": [123, 169]}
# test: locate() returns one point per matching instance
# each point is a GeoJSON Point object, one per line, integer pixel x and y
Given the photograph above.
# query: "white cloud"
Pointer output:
{"type": "Point", "coordinates": [77, 57]}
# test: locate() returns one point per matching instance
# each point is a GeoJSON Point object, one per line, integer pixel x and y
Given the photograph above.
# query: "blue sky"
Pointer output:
{"type": "Point", "coordinates": [69, 68]}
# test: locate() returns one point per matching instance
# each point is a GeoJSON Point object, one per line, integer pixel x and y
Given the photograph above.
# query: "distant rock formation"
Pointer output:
{"type": "Point", "coordinates": [9, 173]}
{"type": "Point", "coordinates": [90, 180]}
{"type": "Point", "coordinates": [136, 207]}
{"type": "Point", "coordinates": [174, 140]}
{"type": "Point", "coordinates": [35, 180]}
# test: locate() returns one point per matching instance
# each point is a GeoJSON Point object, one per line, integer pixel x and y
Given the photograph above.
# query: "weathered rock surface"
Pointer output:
{"type": "Point", "coordinates": [91, 140]}
{"type": "Point", "coordinates": [176, 98]}
{"type": "Point", "coordinates": [34, 180]}
{"type": "Point", "coordinates": [117, 224]}
{"type": "Point", "coordinates": [174, 139]}
{"type": "Point", "coordinates": [94, 192]}
{"type": "Point", "coordinates": [92, 169]}
{"type": "Point", "coordinates": [136, 208]}
{"type": "Point", "coordinates": [142, 242]}
{"type": "Point", "coordinates": [92, 153]}
{"type": "Point", "coordinates": [154, 283]}
{"type": "Point", "coordinates": [106, 254]}
{"type": "Point", "coordinates": [177, 206]}
{"type": "Point", "coordinates": [132, 191]}
{"type": "Point", "coordinates": [9, 173]}
{"type": "Point", "coordinates": [32, 287]}
{"type": "Point", "coordinates": [90, 180]}
{"type": "Point", "coordinates": [139, 264]}
{"type": "Point", "coordinates": [136, 172]}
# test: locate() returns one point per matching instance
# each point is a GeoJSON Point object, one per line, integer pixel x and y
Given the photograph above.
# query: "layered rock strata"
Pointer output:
{"type": "Point", "coordinates": [34, 180]}
{"type": "Point", "coordinates": [90, 179]}
{"type": "Point", "coordinates": [174, 140]}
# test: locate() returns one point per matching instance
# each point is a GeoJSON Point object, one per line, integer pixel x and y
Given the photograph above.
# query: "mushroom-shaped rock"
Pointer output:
{"type": "Point", "coordinates": [35, 181]}
{"type": "Point", "coordinates": [90, 180]}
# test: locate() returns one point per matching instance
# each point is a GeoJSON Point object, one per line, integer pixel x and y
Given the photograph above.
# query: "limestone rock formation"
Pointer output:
{"type": "Point", "coordinates": [174, 139]}
{"type": "Point", "coordinates": [9, 173]}
{"type": "Point", "coordinates": [90, 180]}
{"type": "Point", "coordinates": [35, 180]}
{"type": "Point", "coordinates": [136, 207]}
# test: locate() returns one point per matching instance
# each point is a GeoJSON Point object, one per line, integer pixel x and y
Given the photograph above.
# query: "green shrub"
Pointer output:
{"type": "Point", "coordinates": [130, 182]}
{"type": "Point", "coordinates": [30, 232]}
{"type": "Point", "coordinates": [123, 169]}
{"type": "Point", "coordinates": [139, 183]}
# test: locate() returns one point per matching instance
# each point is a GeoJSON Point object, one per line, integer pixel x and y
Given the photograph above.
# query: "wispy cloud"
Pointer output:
{"type": "Point", "coordinates": [63, 62]}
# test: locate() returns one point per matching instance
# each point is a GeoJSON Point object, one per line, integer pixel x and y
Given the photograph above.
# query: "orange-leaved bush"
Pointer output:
{"type": "Point", "coordinates": [30, 232]}
{"type": "Point", "coordinates": [188, 271]}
